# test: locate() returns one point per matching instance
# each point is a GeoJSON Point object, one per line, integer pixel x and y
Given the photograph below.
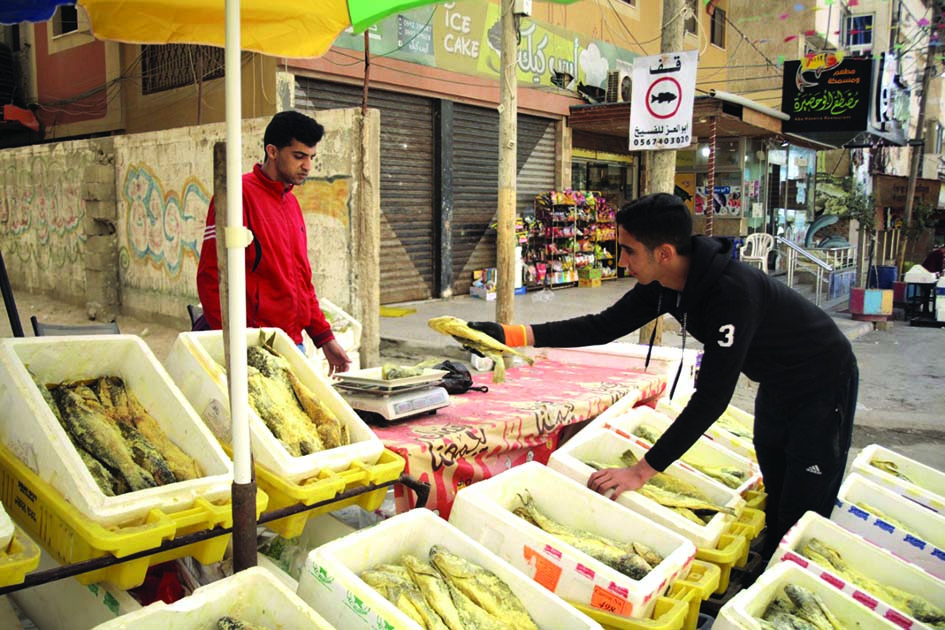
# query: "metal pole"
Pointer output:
{"type": "Point", "coordinates": [15, 326]}
{"type": "Point", "coordinates": [508, 132]}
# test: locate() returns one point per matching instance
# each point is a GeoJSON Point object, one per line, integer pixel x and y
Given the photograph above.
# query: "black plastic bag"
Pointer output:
{"type": "Point", "coordinates": [458, 379]}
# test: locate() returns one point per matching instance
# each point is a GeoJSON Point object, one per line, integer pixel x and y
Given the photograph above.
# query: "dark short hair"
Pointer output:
{"type": "Point", "coordinates": [657, 219]}
{"type": "Point", "coordinates": [291, 125]}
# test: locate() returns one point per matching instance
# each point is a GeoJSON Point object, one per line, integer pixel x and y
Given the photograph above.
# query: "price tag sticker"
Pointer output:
{"type": "Point", "coordinates": [610, 602]}
{"type": "Point", "coordinates": [547, 573]}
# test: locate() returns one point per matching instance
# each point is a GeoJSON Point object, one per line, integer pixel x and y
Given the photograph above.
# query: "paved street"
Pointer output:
{"type": "Point", "coordinates": [902, 390]}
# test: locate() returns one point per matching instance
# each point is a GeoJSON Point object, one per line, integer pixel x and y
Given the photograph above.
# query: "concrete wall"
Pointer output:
{"type": "Point", "coordinates": [43, 213]}
{"type": "Point", "coordinates": [117, 224]}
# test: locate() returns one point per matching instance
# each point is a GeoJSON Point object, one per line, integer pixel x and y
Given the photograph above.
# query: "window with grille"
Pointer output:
{"type": "Point", "coordinates": [169, 66]}
{"type": "Point", "coordinates": [718, 28]}
{"type": "Point", "coordinates": [692, 15]}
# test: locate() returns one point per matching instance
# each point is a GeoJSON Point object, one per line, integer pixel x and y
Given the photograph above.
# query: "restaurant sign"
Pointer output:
{"type": "Point", "coordinates": [827, 93]}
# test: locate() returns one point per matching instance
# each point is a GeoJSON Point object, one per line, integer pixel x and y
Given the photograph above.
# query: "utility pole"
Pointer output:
{"type": "Point", "coordinates": [508, 132]}
{"type": "Point", "coordinates": [661, 165]}
{"type": "Point", "coordinates": [918, 144]}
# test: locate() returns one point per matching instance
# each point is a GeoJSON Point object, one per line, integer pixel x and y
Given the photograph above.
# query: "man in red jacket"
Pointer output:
{"type": "Point", "coordinates": [279, 290]}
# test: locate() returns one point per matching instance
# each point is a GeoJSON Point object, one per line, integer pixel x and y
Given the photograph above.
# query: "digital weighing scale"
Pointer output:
{"type": "Point", "coordinates": [387, 401]}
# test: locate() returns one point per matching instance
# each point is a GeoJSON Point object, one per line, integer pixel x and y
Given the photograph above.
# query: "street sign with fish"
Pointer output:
{"type": "Point", "coordinates": [661, 108]}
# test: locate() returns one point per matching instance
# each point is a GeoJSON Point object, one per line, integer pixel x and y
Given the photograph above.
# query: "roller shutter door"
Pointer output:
{"type": "Point", "coordinates": [476, 182]}
{"type": "Point", "coordinates": [408, 221]}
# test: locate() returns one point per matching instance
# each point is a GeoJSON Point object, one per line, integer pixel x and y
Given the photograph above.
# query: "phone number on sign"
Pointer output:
{"type": "Point", "coordinates": [656, 142]}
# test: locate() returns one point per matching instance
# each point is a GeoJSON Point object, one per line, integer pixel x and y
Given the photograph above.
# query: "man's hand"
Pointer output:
{"type": "Point", "coordinates": [336, 356]}
{"type": "Point", "coordinates": [612, 482]}
{"type": "Point", "coordinates": [492, 329]}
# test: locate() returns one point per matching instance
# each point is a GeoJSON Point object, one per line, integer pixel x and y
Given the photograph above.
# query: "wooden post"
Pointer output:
{"type": "Point", "coordinates": [508, 132]}
{"type": "Point", "coordinates": [661, 165]}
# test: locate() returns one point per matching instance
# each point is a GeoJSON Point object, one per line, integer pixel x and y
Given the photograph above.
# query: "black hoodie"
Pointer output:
{"type": "Point", "coordinates": [746, 321]}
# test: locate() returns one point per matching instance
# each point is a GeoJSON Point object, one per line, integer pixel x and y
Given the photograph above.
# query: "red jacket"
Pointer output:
{"type": "Point", "coordinates": [279, 291]}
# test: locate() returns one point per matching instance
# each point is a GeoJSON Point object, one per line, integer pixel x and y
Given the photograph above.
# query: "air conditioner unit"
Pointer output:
{"type": "Point", "coordinates": [860, 51]}
{"type": "Point", "coordinates": [619, 87]}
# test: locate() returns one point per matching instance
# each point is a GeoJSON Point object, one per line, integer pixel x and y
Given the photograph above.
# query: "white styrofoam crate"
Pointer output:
{"type": "Point", "coordinates": [921, 537]}
{"type": "Point", "coordinates": [618, 354]}
{"type": "Point", "coordinates": [864, 557]}
{"type": "Point", "coordinates": [928, 484]}
{"type": "Point", "coordinates": [330, 583]}
{"type": "Point", "coordinates": [43, 445]}
{"type": "Point", "coordinates": [6, 529]}
{"type": "Point", "coordinates": [742, 612]}
{"type": "Point", "coordinates": [705, 452]}
{"type": "Point", "coordinates": [196, 364]}
{"type": "Point", "coordinates": [484, 511]}
{"type": "Point", "coordinates": [740, 445]}
{"type": "Point", "coordinates": [603, 445]}
{"type": "Point", "coordinates": [254, 596]}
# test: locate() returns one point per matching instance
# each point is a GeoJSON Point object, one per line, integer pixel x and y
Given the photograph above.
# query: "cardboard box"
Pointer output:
{"type": "Point", "coordinates": [484, 511]}
{"type": "Point", "coordinates": [330, 584]}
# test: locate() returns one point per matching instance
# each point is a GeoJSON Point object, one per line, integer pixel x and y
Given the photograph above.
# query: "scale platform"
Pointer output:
{"type": "Point", "coordinates": [386, 401]}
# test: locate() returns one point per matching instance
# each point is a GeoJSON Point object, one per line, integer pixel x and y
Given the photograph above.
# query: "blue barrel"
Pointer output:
{"type": "Point", "coordinates": [882, 276]}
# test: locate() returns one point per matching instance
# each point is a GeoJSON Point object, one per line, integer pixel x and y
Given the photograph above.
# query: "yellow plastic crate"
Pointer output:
{"type": "Point", "coordinates": [283, 493]}
{"type": "Point", "coordinates": [698, 585]}
{"type": "Point", "coordinates": [751, 522]}
{"type": "Point", "coordinates": [19, 558]}
{"type": "Point", "coordinates": [732, 550]}
{"type": "Point", "coordinates": [70, 537]}
{"type": "Point", "coordinates": [756, 499]}
{"type": "Point", "coordinates": [668, 614]}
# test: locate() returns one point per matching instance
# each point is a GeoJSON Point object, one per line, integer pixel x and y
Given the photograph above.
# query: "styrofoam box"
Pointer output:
{"type": "Point", "coordinates": [254, 596]}
{"type": "Point", "coordinates": [40, 442]}
{"type": "Point", "coordinates": [705, 452]}
{"type": "Point", "coordinates": [603, 445]}
{"type": "Point", "coordinates": [863, 557]}
{"type": "Point", "coordinates": [484, 511]}
{"type": "Point", "coordinates": [921, 540]}
{"type": "Point", "coordinates": [928, 487]}
{"type": "Point", "coordinates": [196, 364]}
{"type": "Point", "coordinates": [618, 354]}
{"type": "Point", "coordinates": [740, 445]}
{"type": "Point", "coordinates": [743, 611]}
{"type": "Point", "coordinates": [6, 528]}
{"type": "Point", "coordinates": [330, 583]}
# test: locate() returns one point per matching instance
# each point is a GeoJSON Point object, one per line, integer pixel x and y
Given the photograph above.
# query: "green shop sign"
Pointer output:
{"type": "Point", "coordinates": [465, 37]}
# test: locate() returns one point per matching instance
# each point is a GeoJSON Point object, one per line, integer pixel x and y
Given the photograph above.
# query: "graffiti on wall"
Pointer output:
{"type": "Point", "coordinates": [42, 211]}
{"type": "Point", "coordinates": [163, 227]}
{"type": "Point", "coordinates": [326, 196]}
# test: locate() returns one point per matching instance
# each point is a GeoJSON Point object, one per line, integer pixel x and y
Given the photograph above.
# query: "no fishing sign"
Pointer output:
{"type": "Point", "coordinates": [661, 108]}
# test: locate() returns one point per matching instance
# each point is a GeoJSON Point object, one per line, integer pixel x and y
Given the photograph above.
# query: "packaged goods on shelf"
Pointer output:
{"type": "Point", "coordinates": [330, 581]}
{"type": "Point", "coordinates": [485, 511]}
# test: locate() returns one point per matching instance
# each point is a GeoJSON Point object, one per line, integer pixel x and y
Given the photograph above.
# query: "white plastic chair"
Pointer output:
{"type": "Point", "coordinates": [755, 250]}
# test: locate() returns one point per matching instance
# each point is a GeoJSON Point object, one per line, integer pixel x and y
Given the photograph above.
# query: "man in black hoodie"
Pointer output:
{"type": "Point", "coordinates": [747, 323]}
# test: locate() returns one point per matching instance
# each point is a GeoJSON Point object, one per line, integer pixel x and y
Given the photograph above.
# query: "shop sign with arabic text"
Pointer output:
{"type": "Point", "coordinates": [826, 92]}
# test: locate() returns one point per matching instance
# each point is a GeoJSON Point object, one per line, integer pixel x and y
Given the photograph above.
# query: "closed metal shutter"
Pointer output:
{"type": "Point", "coordinates": [476, 182]}
{"type": "Point", "coordinates": [408, 220]}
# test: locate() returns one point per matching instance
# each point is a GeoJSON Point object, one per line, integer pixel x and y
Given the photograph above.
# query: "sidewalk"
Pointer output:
{"type": "Point", "coordinates": [411, 335]}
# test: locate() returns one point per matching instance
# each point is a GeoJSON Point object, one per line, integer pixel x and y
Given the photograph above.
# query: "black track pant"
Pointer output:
{"type": "Point", "coordinates": [802, 440]}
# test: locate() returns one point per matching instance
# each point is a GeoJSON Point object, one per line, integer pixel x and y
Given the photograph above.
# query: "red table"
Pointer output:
{"type": "Point", "coordinates": [520, 420]}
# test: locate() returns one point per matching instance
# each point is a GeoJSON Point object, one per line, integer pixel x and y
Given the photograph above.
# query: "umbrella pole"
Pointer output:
{"type": "Point", "coordinates": [237, 238]}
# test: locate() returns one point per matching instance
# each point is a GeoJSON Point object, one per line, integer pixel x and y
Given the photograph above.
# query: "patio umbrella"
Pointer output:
{"type": "Point", "coordinates": [305, 28]}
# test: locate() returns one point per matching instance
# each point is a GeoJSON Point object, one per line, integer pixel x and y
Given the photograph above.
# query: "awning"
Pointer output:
{"type": "Point", "coordinates": [732, 120]}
